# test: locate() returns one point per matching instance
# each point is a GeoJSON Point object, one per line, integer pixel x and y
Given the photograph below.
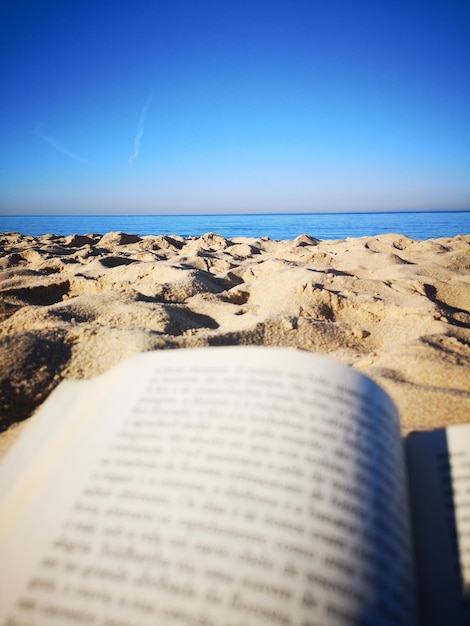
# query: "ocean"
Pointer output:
{"type": "Point", "coordinates": [417, 225]}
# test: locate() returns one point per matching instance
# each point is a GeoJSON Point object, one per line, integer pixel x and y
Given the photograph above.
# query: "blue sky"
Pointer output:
{"type": "Point", "coordinates": [234, 105]}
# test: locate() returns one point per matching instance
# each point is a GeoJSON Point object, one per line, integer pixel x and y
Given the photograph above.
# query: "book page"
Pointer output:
{"type": "Point", "coordinates": [439, 475]}
{"type": "Point", "coordinates": [217, 486]}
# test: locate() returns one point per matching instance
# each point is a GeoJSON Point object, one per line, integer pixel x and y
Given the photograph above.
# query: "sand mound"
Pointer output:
{"type": "Point", "coordinates": [398, 309]}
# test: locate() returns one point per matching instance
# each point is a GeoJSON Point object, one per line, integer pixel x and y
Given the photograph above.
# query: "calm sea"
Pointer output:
{"type": "Point", "coordinates": [422, 225]}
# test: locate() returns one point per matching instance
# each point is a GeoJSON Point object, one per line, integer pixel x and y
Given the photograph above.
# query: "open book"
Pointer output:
{"type": "Point", "coordinates": [232, 486]}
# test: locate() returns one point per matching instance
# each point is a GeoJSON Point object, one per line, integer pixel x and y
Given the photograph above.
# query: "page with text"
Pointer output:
{"type": "Point", "coordinates": [215, 486]}
{"type": "Point", "coordinates": [439, 476]}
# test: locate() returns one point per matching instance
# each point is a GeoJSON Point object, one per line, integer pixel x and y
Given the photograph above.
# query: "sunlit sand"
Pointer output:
{"type": "Point", "coordinates": [394, 308]}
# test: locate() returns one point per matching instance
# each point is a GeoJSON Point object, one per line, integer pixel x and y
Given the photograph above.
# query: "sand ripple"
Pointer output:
{"type": "Point", "coordinates": [398, 309]}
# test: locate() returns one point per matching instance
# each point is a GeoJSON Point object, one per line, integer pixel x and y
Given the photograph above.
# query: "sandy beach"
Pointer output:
{"type": "Point", "coordinates": [392, 307]}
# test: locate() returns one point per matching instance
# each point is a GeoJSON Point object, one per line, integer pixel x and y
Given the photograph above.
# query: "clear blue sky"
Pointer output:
{"type": "Point", "coordinates": [234, 105]}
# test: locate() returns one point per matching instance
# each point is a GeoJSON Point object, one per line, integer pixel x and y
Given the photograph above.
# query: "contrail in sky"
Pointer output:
{"type": "Point", "coordinates": [55, 143]}
{"type": "Point", "coordinates": [140, 132]}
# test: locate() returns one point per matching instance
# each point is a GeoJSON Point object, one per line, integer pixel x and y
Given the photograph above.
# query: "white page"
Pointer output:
{"type": "Point", "coordinates": [458, 441]}
{"type": "Point", "coordinates": [439, 475]}
{"type": "Point", "coordinates": [216, 486]}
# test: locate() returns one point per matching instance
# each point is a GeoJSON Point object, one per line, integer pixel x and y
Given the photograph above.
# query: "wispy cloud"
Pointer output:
{"type": "Point", "coordinates": [140, 132]}
{"type": "Point", "coordinates": [55, 143]}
